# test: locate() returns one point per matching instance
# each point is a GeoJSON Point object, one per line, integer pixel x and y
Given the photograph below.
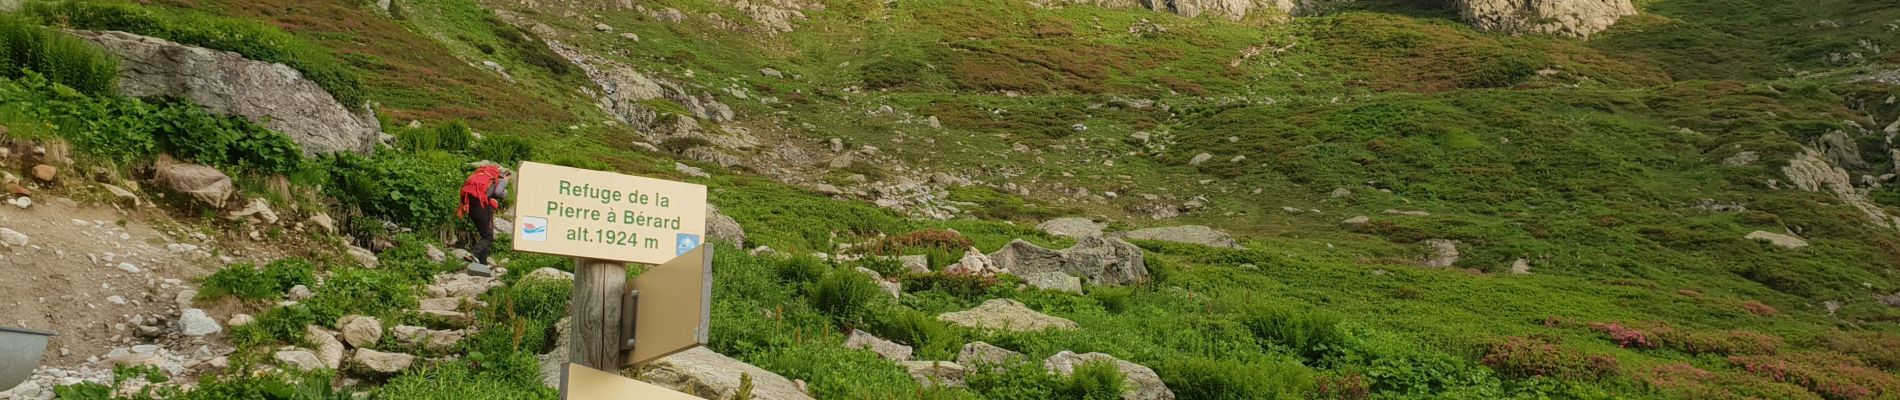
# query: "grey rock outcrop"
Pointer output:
{"type": "Point", "coordinates": [1006, 315]}
{"type": "Point", "coordinates": [227, 83]}
{"type": "Point", "coordinates": [1140, 383]}
{"type": "Point", "coordinates": [1072, 227]}
{"type": "Point", "coordinates": [1577, 18]}
{"type": "Point", "coordinates": [721, 227]}
{"type": "Point", "coordinates": [1811, 171]}
{"type": "Point", "coordinates": [1102, 261]}
{"type": "Point", "coordinates": [1444, 253]}
{"type": "Point", "coordinates": [1841, 150]}
{"type": "Point", "coordinates": [1190, 234]}
{"type": "Point", "coordinates": [704, 373]}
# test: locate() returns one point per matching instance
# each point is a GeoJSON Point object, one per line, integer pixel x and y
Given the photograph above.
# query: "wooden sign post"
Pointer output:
{"type": "Point", "coordinates": [606, 220]}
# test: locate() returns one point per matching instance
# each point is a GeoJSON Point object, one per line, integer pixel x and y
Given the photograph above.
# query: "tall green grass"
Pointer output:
{"type": "Point", "coordinates": [64, 59]}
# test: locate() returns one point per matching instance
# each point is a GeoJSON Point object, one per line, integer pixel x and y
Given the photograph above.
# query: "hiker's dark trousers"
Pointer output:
{"type": "Point", "coordinates": [483, 216]}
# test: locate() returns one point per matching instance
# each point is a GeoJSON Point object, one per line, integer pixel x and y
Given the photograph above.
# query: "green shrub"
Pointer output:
{"type": "Point", "coordinates": [251, 283]}
{"type": "Point", "coordinates": [963, 286]}
{"type": "Point", "coordinates": [361, 291]}
{"type": "Point", "coordinates": [250, 38]}
{"type": "Point", "coordinates": [1093, 380]}
{"type": "Point", "coordinates": [279, 325]}
{"type": "Point", "coordinates": [931, 338]}
{"type": "Point", "coordinates": [847, 296]}
{"type": "Point", "coordinates": [891, 73]}
{"type": "Point", "coordinates": [504, 150]}
{"type": "Point", "coordinates": [190, 132]}
{"type": "Point", "coordinates": [412, 190]}
{"type": "Point", "coordinates": [1311, 335]}
{"type": "Point", "coordinates": [528, 47]}
{"type": "Point", "coordinates": [60, 58]}
{"type": "Point", "coordinates": [1201, 378]}
{"type": "Point", "coordinates": [1114, 299]}
{"type": "Point", "coordinates": [801, 269]}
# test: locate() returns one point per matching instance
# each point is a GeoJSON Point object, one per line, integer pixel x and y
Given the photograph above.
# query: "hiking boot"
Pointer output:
{"type": "Point", "coordinates": [480, 269]}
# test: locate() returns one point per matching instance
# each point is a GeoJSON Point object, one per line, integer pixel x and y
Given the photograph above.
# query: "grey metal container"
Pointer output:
{"type": "Point", "coordinates": [20, 351]}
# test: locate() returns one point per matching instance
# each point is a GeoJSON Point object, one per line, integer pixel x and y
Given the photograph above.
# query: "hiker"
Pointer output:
{"type": "Point", "coordinates": [481, 196]}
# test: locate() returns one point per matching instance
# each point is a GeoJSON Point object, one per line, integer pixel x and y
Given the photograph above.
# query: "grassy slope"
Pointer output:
{"type": "Point", "coordinates": [1594, 183]}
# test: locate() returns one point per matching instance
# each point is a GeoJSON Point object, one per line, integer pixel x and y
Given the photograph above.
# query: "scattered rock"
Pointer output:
{"type": "Point", "coordinates": [257, 211]}
{"type": "Point", "coordinates": [360, 331]}
{"type": "Point", "coordinates": [380, 362]}
{"type": "Point", "coordinates": [1072, 227]}
{"type": "Point", "coordinates": [700, 370]}
{"type": "Point", "coordinates": [884, 348]}
{"type": "Point", "coordinates": [1811, 171]}
{"type": "Point", "coordinates": [546, 273]}
{"type": "Point", "coordinates": [435, 254]}
{"type": "Point", "coordinates": [722, 227]}
{"type": "Point", "coordinates": [919, 264]}
{"type": "Point", "coordinates": [933, 374]}
{"type": "Point", "coordinates": [435, 340]}
{"type": "Point", "coordinates": [1200, 159]}
{"type": "Point", "coordinates": [1742, 158]}
{"type": "Point", "coordinates": [1444, 253]}
{"type": "Point", "coordinates": [1785, 241]}
{"type": "Point", "coordinates": [206, 184]}
{"type": "Point", "coordinates": [603, 27]}
{"type": "Point", "coordinates": [976, 263]}
{"type": "Point", "coordinates": [1190, 234]}
{"type": "Point", "coordinates": [13, 238]}
{"type": "Point", "coordinates": [329, 349]}
{"type": "Point", "coordinates": [121, 195]}
{"type": "Point", "coordinates": [1007, 315]}
{"type": "Point", "coordinates": [299, 293]}
{"type": "Point", "coordinates": [980, 354]}
{"type": "Point", "coordinates": [1357, 221]}
{"type": "Point", "coordinates": [226, 83]}
{"type": "Point", "coordinates": [1521, 267]}
{"type": "Point", "coordinates": [300, 359]}
{"type": "Point", "coordinates": [323, 221]}
{"type": "Point", "coordinates": [690, 170]}
{"type": "Point", "coordinates": [1577, 18]}
{"type": "Point", "coordinates": [1140, 382]}
{"type": "Point", "coordinates": [45, 173]}
{"type": "Point", "coordinates": [363, 256]}
{"type": "Point", "coordinates": [771, 73]}
{"type": "Point", "coordinates": [239, 320]}
{"type": "Point", "coordinates": [195, 322]}
{"type": "Point", "coordinates": [1408, 213]}
{"type": "Point", "coordinates": [1103, 261]}
{"type": "Point", "coordinates": [1050, 280]}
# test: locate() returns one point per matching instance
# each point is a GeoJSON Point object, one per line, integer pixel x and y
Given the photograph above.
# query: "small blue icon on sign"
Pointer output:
{"type": "Point", "coordinates": [687, 242]}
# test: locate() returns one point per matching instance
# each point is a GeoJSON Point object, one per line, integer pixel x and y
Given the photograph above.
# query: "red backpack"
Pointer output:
{"type": "Point", "coordinates": [477, 185]}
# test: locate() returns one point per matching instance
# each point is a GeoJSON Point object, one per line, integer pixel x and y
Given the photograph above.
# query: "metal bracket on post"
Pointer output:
{"type": "Point", "coordinates": [629, 312]}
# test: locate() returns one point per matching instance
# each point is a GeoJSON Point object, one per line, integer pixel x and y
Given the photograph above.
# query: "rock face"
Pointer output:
{"type": "Point", "coordinates": [1190, 234]}
{"type": "Point", "coordinates": [1101, 261]}
{"type": "Point", "coordinates": [704, 373]}
{"type": "Point", "coordinates": [1140, 382]}
{"type": "Point", "coordinates": [1811, 171]}
{"type": "Point", "coordinates": [227, 83]}
{"type": "Point", "coordinates": [1785, 241]}
{"type": "Point", "coordinates": [865, 341]}
{"type": "Point", "coordinates": [1007, 315]}
{"type": "Point", "coordinates": [721, 227]}
{"type": "Point", "coordinates": [206, 184]}
{"type": "Point", "coordinates": [1071, 227]}
{"type": "Point", "coordinates": [1577, 18]}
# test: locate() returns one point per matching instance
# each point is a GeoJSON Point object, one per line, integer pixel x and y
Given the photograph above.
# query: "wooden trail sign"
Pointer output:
{"type": "Point", "coordinates": [582, 382]}
{"type": "Point", "coordinates": [607, 216]}
{"type": "Point", "coordinates": [605, 220]}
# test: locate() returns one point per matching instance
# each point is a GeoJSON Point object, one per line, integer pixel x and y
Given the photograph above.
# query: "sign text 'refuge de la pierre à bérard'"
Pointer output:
{"type": "Point", "coordinates": [609, 216]}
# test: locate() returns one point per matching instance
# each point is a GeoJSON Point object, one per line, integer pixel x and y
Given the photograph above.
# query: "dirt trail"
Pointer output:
{"type": "Point", "coordinates": [92, 273]}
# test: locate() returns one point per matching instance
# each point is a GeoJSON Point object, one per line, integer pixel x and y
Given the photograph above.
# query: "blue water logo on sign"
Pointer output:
{"type": "Point", "coordinates": [534, 229]}
{"type": "Point", "coordinates": [687, 242]}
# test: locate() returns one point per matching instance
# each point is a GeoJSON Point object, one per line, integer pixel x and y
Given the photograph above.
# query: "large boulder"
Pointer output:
{"type": "Point", "coordinates": [1006, 315]}
{"type": "Point", "coordinates": [1141, 383]}
{"type": "Point", "coordinates": [702, 372]}
{"type": "Point", "coordinates": [1811, 171]}
{"type": "Point", "coordinates": [722, 227]}
{"type": "Point", "coordinates": [1101, 261]}
{"type": "Point", "coordinates": [205, 184]}
{"type": "Point", "coordinates": [226, 83]}
{"type": "Point", "coordinates": [1190, 234]}
{"type": "Point", "coordinates": [1577, 18]}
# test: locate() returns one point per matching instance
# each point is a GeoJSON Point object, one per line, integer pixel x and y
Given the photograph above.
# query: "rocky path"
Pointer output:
{"type": "Point", "coordinates": [116, 287]}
